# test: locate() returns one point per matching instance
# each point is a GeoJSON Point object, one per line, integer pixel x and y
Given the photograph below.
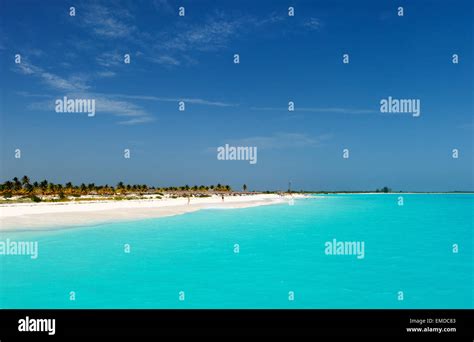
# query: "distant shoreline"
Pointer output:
{"type": "Point", "coordinates": [136, 196]}
{"type": "Point", "coordinates": [58, 215]}
{"type": "Point", "coordinates": [30, 216]}
{"type": "Point", "coordinates": [389, 193]}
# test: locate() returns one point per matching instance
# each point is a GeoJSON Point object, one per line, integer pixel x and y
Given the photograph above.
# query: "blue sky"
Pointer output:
{"type": "Point", "coordinates": [282, 59]}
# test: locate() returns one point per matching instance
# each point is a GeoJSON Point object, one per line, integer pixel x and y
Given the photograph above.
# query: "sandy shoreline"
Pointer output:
{"type": "Point", "coordinates": [40, 216]}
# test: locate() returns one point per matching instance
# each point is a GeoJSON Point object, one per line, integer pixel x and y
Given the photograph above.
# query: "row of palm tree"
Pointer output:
{"type": "Point", "coordinates": [24, 187]}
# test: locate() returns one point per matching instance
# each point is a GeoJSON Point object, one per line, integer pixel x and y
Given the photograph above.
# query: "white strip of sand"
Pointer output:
{"type": "Point", "coordinates": [39, 216]}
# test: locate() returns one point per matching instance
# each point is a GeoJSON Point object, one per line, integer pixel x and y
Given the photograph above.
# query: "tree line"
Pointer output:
{"type": "Point", "coordinates": [24, 187]}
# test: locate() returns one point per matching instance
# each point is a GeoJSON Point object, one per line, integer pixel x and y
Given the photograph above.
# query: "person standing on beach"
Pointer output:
{"type": "Point", "coordinates": [189, 199]}
{"type": "Point", "coordinates": [222, 197]}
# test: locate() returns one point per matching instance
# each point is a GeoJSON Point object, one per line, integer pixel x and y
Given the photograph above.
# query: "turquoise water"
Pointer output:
{"type": "Point", "coordinates": [408, 248]}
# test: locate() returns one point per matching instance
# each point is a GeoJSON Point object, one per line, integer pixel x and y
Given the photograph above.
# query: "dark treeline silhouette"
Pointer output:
{"type": "Point", "coordinates": [24, 187]}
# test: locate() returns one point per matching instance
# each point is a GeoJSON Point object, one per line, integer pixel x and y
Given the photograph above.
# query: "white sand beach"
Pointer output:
{"type": "Point", "coordinates": [39, 216]}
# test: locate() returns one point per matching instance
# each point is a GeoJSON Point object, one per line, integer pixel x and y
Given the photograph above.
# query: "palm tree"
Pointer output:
{"type": "Point", "coordinates": [51, 188]}
{"type": "Point", "coordinates": [43, 185]}
{"type": "Point", "coordinates": [16, 184]}
{"type": "Point", "coordinates": [25, 180]}
{"type": "Point", "coordinates": [24, 186]}
{"type": "Point", "coordinates": [28, 188]}
{"type": "Point", "coordinates": [91, 187]}
{"type": "Point", "coordinates": [8, 185]}
{"type": "Point", "coordinates": [68, 188]}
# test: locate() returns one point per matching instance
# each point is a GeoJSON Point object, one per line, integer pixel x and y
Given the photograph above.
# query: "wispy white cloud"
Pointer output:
{"type": "Point", "coordinates": [75, 87]}
{"type": "Point", "coordinates": [108, 23]}
{"type": "Point", "coordinates": [166, 60]}
{"type": "Point", "coordinates": [174, 44]}
{"type": "Point", "coordinates": [205, 102]}
{"type": "Point", "coordinates": [137, 121]}
{"type": "Point", "coordinates": [281, 140]}
{"type": "Point", "coordinates": [336, 110]}
{"type": "Point", "coordinates": [28, 94]}
{"type": "Point", "coordinates": [130, 113]}
{"type": "Point", "coordinates": [175, 99]}
{"type": "Point", "coordinates": [106, 73]}
{"type": "Point", "coordinates": [312, 24]}
{"type": "Point", "coordinates": [109, 59]}
{"type": "Point", "coordinates": [116, 104]}
{"type": "Point", "coordinates": [119, 108]}
{"type": "Point", "coordinates": [35, 52]}
{"type": "Point", "coordinates": [270, 19]}
{"type": "Point", "coordinates": [72, 84]}
{"type": "Point", "coordinates": [214, 34]}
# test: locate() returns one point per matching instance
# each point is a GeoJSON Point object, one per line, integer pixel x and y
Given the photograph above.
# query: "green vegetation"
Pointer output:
{"type": "Point", "coordinates": [37, 191]}
{"type": "Point", "coordinates": [35, 198]}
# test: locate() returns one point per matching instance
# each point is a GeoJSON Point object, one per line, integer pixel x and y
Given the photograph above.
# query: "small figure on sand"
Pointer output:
{"type": "Point", "coordinates": [189, 199]}
{"type": "Point", "coordinates": [222, 198]}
